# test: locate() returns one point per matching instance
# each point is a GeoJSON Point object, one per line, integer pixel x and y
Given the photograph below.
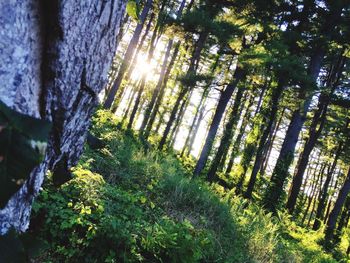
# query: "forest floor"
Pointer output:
{"type": "Point", "coordinates": [126, 204]}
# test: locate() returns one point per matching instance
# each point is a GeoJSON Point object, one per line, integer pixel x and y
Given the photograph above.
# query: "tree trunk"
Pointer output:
{"type": "Point", "coordinates": [237, 143]}
{"type": "Point", "coordinates": [271, 143]}
{"type": "Point", "coordinates": [314, 133]}
{"type": "Point", "coordinates": [313, 191]}
{"type": "Point", "coordinates": [162, 91]}
{"type": "Point", "coordinates": [275, 189]}
{"type": "Point", "coordinates": [156, 91]}
{"type": "Point", "coordinates": [324, 192]}
{"type": "Point", "coordinates": [54, 67]}
{"type": "Point", "coordinates": [195, 122]}
{"type": "Point", "coordinates": [343, 221]}
{"type": "Point", "coordinates": [333, 216]}
{"type": "Point", "coordinates": [227, 136]}
{"type": "Point", "coordinates": [220, 109]}
{"type": "Point", "coordinates": [276, 94]}
{"type": "Point", "coordinates": [315, 130]}
{"type": "Point", "coordinates": [184, 90]}
{"type": "Point", "coordinates": [180, 98]}
{"type": "Point", "coordinates": [199, 113]}
{"type": "Point", "coordinates": [128, 56]}
{"type": "Point", "coordinates": [130, 67]}
{"type": "Point", "coordinates": [137, 103]}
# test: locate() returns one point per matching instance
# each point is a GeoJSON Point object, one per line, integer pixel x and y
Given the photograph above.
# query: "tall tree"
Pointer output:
{"type": "Point", "coordinates": [53, 68]}
{"type": "Point", "coordinates": [326, 32]}
{"type": "Point", "coordinates": [315, 130]}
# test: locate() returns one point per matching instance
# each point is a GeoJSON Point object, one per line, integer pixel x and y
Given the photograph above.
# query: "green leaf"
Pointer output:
{"type": "Point", "coordinates": [22, 147]}
{"type": "Point", "coordinates": [132, 9]}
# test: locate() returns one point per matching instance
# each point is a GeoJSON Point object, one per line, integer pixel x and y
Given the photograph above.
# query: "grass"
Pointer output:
{"type": "Point", "coordinates": [128, 205]}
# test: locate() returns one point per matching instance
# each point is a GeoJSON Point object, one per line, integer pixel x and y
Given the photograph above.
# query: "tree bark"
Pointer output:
{"type": "Point", "coordinates": [53, 67]}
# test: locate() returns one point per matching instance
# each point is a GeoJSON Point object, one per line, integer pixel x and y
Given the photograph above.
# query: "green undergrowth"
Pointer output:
{"type": "Point", "coordinates": [126, 204]}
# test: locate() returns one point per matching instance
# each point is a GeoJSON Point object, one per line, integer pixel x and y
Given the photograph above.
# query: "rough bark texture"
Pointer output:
{"type": "Point", "coordinates": [54, 60]}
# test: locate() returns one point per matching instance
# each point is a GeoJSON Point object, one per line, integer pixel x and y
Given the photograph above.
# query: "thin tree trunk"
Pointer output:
{"type": "Point", "coordinates": [227, 136]}
{"type": "Point", "coordinates": [271, 143]}
{"type": "Point", "coordinates": [184, 90]}
{"type": "Point", "coordinates": [237, 143]}
{"type": "Point", "coordinates": [137, 103]}
{"type": "Point", "coordinates": [333, 216]}
{"type": "Point", "coordinates": [131, 100]}
{"type": "Point", "coordinates": [313, 191]}
{"type": "Point", "coordinates": [156, 91]}
{"type": "Point", "coordinates": [161, 91]}
{"type": "Point", "coordinates": [324, 193]}
{"type": "Point", "coordinates": [220, 109]}
{"type": "Point", "coordinates": [275, 97]}
{"type": "Point", "coordinates": [178, 122]}
{"type": "Point", "coordinates": [199, 113]}
{"type": "Point", "coordinates": [128, 55]}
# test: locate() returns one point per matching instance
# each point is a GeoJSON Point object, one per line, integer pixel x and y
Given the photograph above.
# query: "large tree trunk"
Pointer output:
{"type": "Point", "coordinates": [54, 62]}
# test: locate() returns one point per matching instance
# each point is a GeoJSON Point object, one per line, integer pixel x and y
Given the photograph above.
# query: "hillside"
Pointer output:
{"type": "Point", "coordinates": [126, 204]}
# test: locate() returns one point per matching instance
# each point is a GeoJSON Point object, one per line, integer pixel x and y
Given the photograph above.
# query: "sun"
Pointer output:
{"type": "Point", "coordinates": [143, 67]}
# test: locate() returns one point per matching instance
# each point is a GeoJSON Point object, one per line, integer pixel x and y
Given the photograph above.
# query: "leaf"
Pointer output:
{"type": "Point", "coordinates": [132, 9]}
{"type": "Point", "coordinates": [22, 147]}
{"type": "Point", "coordinates": [143, 199]}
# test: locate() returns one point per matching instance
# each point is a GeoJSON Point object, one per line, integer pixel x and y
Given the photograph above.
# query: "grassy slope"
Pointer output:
{"type": "Point", "coordinates": [125, 205]}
